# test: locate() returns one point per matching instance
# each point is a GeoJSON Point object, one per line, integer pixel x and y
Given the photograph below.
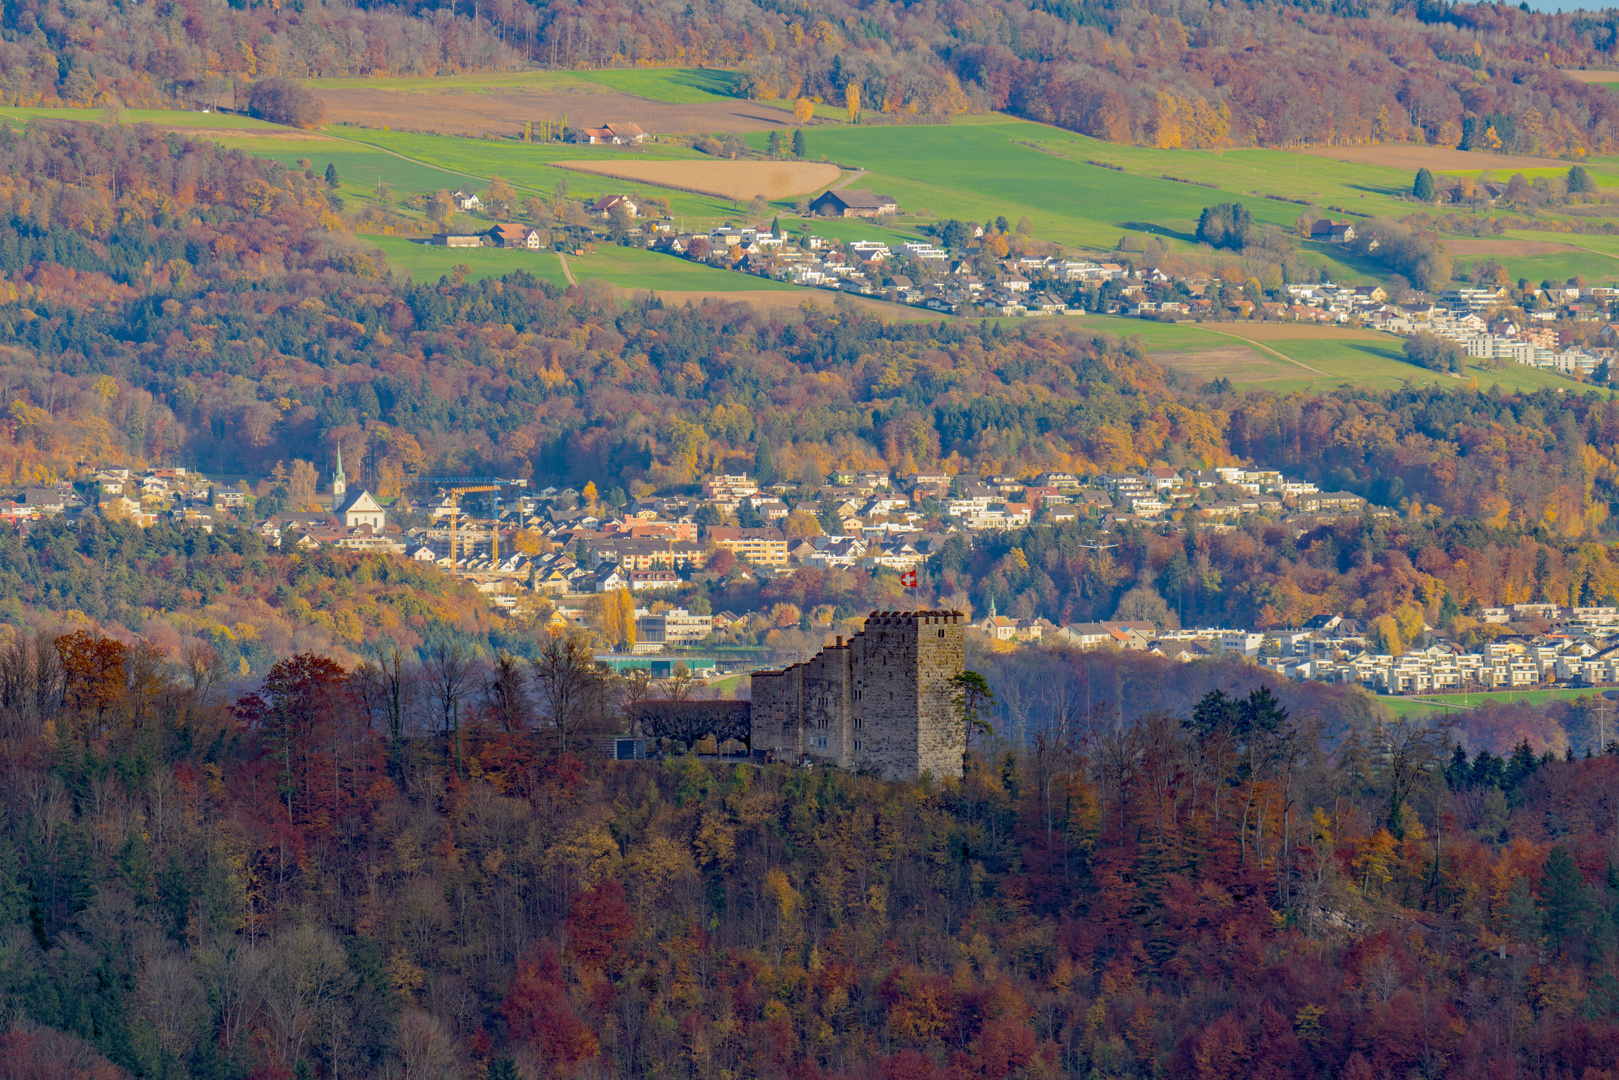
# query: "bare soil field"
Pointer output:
{"type": "Point", "coordinates": [1437, 158]}
{"type": "Point", "coordinates": [738, 180]}
{"type": "Point", "coordinates": [505, 112]}
{"type": "Point", "coordinates": [1232, 361]}
{"type": "Point", "coordinates": [1593, 76]}
{"type": "Point", "coordinates": [1504, 246]}
{"type": "Point", "coordinates": [1262, 331]}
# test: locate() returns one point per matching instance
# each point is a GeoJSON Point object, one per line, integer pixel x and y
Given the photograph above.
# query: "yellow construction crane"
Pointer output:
{"type": "Point", "coordinates": [455, 487]}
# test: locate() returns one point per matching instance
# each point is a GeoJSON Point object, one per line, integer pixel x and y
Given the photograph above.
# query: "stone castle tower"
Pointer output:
{"type": "Point", "coordinates": [881, 700]}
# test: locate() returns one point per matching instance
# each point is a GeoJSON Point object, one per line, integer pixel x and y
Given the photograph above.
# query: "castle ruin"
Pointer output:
{"type": "Point", "coordinates": [882, 700]}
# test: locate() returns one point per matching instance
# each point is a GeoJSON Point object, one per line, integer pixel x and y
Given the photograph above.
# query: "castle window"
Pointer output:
{"type": "Point", "coordinates": [857, 744]}
{"type": "Point", "coordinates": [941, 633]}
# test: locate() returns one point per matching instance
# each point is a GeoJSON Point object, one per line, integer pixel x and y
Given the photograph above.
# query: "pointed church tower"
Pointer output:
{"type": "Point", "coordinates": [339, 482]}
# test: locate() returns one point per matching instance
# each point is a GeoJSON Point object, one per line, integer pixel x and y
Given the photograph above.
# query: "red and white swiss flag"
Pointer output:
{"type": "Point", "coordinates": [908, 579]}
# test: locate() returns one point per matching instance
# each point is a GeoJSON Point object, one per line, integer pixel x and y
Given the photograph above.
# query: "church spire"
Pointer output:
{"type": "Point", "coordinates": [339, 481]}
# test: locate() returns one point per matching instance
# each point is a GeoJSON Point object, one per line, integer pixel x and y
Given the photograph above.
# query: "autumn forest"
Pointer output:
{"type": "Point", "coordinates": [277, 813]}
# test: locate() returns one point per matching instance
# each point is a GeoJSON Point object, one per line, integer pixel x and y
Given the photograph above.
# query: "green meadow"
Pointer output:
{"type": "Point", "coordinates": [1077, 191]}
{"type": "Point", "coordinates": [626, 268]}
{"type": "Point", "coordinates": [1454, 704]}
{"type": "Point", "coordinates": [678, 86]}
{"type": "Point", "coordinates": [1213, 351]}
{"type": "Point", "coordinates": [177, 118]}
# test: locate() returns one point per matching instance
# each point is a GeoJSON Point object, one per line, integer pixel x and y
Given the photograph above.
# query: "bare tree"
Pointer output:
{"type": "Point", "coordinates": [449, 676]}
{"type": "Point", "coordinates": [572, 692]}
{"type": "Point", "coordinates": [505, 693]}
{"type": "Point", "coordinates": [680, 683]}
{"type": "Point", "coordinates": [307, 976]}
{"type": "Point", "coordinates": [204, 667]}
{"type": "Point", "coordinates": [629, 690]}
{"type": "Point", "coordinates": [172, 1002]}
{"type": "Point", "coordinates": [31, 684]}
{"type": "Point", "coordinates": [427, 1051]}
{"type": "Point", "coordinates": [232, 972]}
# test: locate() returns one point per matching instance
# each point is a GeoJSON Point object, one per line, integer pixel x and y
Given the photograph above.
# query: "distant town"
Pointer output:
{"type": "Point", "coordinates": [554, 549]}
{"type": "Point", "coordinates": [967, 273]}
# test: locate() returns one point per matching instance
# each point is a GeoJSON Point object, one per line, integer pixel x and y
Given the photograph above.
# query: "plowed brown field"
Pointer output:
{"type": "Point", "coordinates": [727, 179]}
{"type": "Point", "coordinates": [505, 112]}
{"type": "Point", "coordinates": [1504, 246]}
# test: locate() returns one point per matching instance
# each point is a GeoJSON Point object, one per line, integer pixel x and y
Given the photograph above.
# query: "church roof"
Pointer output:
{"type": "Point", "coordinates": [361, 500]}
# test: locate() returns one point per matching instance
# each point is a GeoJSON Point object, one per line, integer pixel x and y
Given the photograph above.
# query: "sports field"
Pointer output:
{"type": "Point", "coordinates": [1453, 704]}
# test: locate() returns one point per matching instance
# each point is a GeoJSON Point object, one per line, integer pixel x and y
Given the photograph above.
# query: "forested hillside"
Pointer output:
{"type": "Point", "coordinates": [285, 887]}
{"type": "Point", "coordinates": [1152, 71]}
{"type": "Point", "coordinates": [165, 300]}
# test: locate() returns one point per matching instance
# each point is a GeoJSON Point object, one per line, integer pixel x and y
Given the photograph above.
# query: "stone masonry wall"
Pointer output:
{"type": "Point", "coordinates": [882, 700]}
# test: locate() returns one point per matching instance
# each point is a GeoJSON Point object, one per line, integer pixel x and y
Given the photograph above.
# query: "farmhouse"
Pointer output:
{"type": "Point", "coordinates": [466, 201]}
{"type": "Point", "coordinates": [515, 236]}
{"type": "Point", "coordinates": [613, 135]}
{"type": "Point", "coordinates": [853, 202]}
{"type": "Point", "coordinates": [604, 206]}
{"type": "Point", "coordinates": [1333, 232]}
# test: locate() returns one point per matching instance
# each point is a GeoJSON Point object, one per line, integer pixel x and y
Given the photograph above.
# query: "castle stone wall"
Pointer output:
{"type": "Point", "coordinates": [882, 700]}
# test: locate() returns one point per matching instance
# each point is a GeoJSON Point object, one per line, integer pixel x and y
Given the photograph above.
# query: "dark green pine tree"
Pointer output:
{"type": "Point", "coordinates": [1424, 189]}
{"type": "Point", "coordinates": [764, 463]}
{"type": "Point", "coordinates": [1563, 898]}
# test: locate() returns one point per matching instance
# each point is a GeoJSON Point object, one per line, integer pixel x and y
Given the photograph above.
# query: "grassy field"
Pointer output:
{"type": "Point", "coordinates": [1455, 703]}
{"type": "Point", "coordinates": [678, 86]}
{"type": "Point", "coordinates": [633, 268]}
{"type": "Point", "coordinates": [422, 262]}
{"type": "Point", "coordinates": [626, 268]}
{"type": "Point", "coordinates": [1283, 364]}
{"type": "Point", "coordinates": [975, 169]}
{"type": "Point", "coordinates": [174, 118]}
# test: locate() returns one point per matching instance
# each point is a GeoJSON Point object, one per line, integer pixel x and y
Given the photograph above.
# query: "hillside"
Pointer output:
{"type": "Point", "coordinates": [1249, 74]}
{"type": "Point", "coordinates": [179, 895]}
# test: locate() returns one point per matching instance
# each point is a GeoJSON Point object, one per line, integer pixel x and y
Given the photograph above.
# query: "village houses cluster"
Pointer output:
{"type": "Point", "coordinates": [655, 545]}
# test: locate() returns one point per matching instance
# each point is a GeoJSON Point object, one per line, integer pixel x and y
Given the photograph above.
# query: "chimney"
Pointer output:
{"type": "Point", "coordinates": [840, 641]}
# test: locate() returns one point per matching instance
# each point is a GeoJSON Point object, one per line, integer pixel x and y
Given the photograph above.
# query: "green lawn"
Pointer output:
{"type": "Point", "coordinates": [980, 170]}
{"type": "Point", "coordinates": [678, 86]}
{"type": "Point", "coordinates": [1381, 365]}
{"type": "Point", "coordinates": [1378, 363]}
{"type": "Point", "coordinates": [1456, 703]}
{"type": "Point", "coordinates": [423, 262]}
{"type": "Point", "coordinates": [164, 117]}
{"type": "Point", "coordinates": [627, 268]}
{"type": "Point", "coordinates": [635, 268]}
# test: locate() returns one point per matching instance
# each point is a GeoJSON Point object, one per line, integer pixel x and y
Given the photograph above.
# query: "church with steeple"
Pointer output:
{"type": "Point", "coordinates": [357, 509]}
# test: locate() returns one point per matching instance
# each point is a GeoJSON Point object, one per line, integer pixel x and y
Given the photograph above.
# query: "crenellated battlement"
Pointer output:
{"type": "Point", "coordinates": [882, 700]}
